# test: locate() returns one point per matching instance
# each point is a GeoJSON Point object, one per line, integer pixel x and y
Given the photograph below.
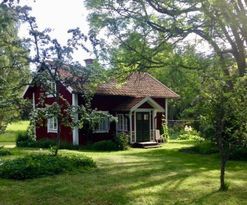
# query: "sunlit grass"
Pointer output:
{"type": "Point", "coordinates": [136, 177]}
{"type": "Point", "coordinates": [9, 136]}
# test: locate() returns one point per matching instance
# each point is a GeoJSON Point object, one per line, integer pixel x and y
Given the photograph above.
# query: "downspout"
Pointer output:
{"type": "Point", "coordinates": [130, 117]}
{"type": "Point", "coordinates": [34, 126]}
{"type": "Point", "coordinates": [166, 107]}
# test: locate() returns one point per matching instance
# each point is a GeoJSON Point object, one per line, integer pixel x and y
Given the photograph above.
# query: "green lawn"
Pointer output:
{"type": "Point", "coordinates": [136, 176]}
{"type": "Point", "coordinates": [9, 137]}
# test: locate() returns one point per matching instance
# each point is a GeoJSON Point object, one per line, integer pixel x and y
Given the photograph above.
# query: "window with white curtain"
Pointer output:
{"type": "Point", "coordinates": [52, 124]}
{"type": "Point", "coordinates": [122, 123]}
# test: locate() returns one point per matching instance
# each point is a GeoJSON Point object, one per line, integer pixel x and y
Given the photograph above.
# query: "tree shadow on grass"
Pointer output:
{"type": "Point", "coordinates": [172, 172]}
{"type": "Point", "coordinates": [154, 176]}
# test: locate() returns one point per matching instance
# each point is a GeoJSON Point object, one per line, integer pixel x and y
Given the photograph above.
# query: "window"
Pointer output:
{"type": "Point", "coordinates": [145, 116]}
{"type": "Point", "coordinates": [122, 123]}
{"type": "Point", "coordinates": [52, 124]}
{"type": "Point", "coordinates": [103, 125]}
{"type": "Point", "coordinates": [52, 89]}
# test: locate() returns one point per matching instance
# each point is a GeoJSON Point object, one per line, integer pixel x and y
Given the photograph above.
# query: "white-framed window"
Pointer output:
{"type": "Point", "coordinates": [52, 125]}
{"type": "Point", "coordinates": [103, 125]}
{"type": "Point", "coordinates": [52, 89]}
{"type": "Point", "coordinates": [122, 123]}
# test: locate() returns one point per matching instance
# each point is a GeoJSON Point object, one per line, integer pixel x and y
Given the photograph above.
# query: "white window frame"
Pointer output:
{"type": "Point", "coordinates": [105, 128]}
{"type": "Point", "coordinates": [122, 123]}
{"type": "Point", "coordinates": [52, 87]}
{"type": "Point", "coordinates": [52, 125]}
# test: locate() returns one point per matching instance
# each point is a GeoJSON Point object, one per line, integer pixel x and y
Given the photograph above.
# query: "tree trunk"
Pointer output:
{"type": "Point", "coordinates": [221, 144]}
{"type": "Point", "coordinates": [223, 186]}
{"type": "Point", "coordinates": [58, 136]}
{"type": "Point", "coordinates": [223, 160]}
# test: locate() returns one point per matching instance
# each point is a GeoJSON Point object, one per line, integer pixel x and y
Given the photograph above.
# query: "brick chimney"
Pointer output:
{"type": "Point", "coordinates": [89, 61]}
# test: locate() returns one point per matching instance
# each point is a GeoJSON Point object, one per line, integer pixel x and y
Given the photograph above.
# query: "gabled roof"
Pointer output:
{"type": "Point", "coordinates": [138, 85]}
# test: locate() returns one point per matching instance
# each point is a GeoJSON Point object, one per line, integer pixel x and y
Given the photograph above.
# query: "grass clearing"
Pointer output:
{"type": "Point", "coordinates": [9, 136]}
{"type": "Point", "coordinates": [133, 177]}
{"type": "Point", "coordinates": [137, 176]}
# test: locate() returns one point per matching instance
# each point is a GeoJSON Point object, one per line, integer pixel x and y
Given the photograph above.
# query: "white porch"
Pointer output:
{"type": "Point", "coordinates": [148, 114]}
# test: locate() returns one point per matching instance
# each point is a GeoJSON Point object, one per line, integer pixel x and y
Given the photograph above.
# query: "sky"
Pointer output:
{"type": "Point", "coordinates": [60, 16]}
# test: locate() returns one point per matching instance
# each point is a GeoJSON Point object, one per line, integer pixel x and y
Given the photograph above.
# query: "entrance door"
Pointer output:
{"type": "Point", "coordinates": [142, 126]}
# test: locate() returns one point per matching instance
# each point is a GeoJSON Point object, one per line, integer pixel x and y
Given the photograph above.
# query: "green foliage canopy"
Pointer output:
{"type": "Point", "coordinates": [13, 67]}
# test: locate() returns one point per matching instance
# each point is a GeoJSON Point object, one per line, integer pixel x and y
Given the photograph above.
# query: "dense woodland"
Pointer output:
{"type": "Point", "coordinates": [165, 38]}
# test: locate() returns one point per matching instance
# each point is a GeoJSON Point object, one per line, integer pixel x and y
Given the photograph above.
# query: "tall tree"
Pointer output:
{"type": "Point", "coordinates": [218, 23]}
{"type": "Point", "coordinates": [13, 67]}
{"type": "Point", "coordinates": [55, 67]}
{"type": "Point", "coordinates": [221, 23]}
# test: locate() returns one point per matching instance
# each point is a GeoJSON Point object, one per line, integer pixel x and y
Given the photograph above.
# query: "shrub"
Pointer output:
{"type": "Point", "coordinates": [43, 143]}
{"type": "Point", "coordinates": [122, 141]}
{"type": "Point", "coordinates": [205, 147]}
{"type": "Point", "coordinates": [34, 166]}
{"type": "Point", "coordinates": [239, 153]}
{"type": "Point", "coordinates": [4, 152]}
{"type": "Point", "coordinates": [174, 133]}
{"type": "Point", "coordinates": [105, 145]}
{"type": "Point", "coordinates": [189, 136]}
{"type": "Point", "coordinates": [24, 140]}
{"type": "Point", "coordinates": [165, 132]}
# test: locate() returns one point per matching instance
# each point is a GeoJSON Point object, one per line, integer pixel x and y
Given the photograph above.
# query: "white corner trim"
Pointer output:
{"type": "Point", "coordinates": [70, 89]}
{"type": "Point", "coordinates": [75, 132]}
{"type": "Point", "coordinates": [151, 102]}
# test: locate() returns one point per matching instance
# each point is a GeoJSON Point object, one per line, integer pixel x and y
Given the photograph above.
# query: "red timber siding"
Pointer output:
{"type": "Point", "coordinates": [160, 101]}
{"type": "Point", "coordinates": [146, 105]}
{"type": "Point", "coordinates": [101, 103]}
{"type": "Point", "coordinates": [159, 120]}
{"type": "Point", "coordinates": [41, 127]}
{"type": "Point", "coordinates": [108, 103]}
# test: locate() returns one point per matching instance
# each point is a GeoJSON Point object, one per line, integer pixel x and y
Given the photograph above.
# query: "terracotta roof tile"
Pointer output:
{"type": "Point", "coordinates": [138, 85]}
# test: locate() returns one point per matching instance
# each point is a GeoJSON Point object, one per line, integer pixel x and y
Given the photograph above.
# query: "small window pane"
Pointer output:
{"type": "Point", "coordinates": [146, 116]}
{"type": "Point", "coordinates": [139, 116]}
{"type": "Point", "coordinates": [122, 124]}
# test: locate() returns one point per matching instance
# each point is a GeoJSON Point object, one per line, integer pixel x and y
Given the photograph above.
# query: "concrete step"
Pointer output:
{"type": "Point", "coordinates": [146, 145]}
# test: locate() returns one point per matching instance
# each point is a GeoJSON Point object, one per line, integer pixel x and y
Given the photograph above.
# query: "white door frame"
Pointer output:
{"type": "Point", "coordinates": [150, 121]}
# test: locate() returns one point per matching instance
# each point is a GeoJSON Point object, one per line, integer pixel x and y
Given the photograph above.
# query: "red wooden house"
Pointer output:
{"type": "Point", "coordinates": [139, 106]}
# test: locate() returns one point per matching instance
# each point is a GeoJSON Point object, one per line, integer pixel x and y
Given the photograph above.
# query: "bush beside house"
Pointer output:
{"type": "Point", "coordinates": [120, 142]}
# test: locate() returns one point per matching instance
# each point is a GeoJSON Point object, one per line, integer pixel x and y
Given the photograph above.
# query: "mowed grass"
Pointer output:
{"type": "Point", "coordinates": [136, 177]}
{"type": "Point", "coordinates": [9, 137]}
